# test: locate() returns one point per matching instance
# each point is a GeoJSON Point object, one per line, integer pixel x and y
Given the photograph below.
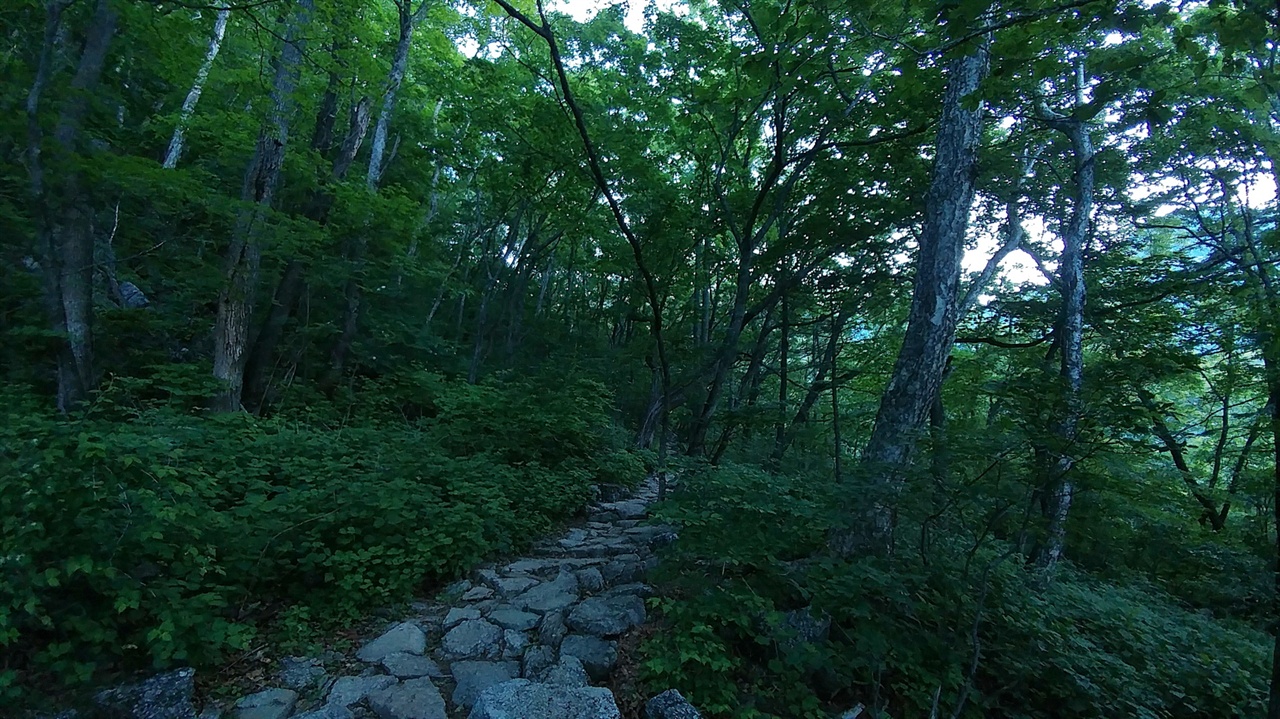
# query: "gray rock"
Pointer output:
{"type": "Point", "coordinates": [523, 699]}
{"type": "Point", "coordinates": [328, 711]}
{"type": "Point", "coordinates": [512, 618]}
{"type": "Point", "coordinates": [627, 509]}
{"type": "Point", "coordinates": [164, 696]}
{"type": "Point", "coordinates": [607, 616]}
{"type": "Point", "coordinates": [404, 637]}
{"type": "Point", "coordinates": [474, 677]}
{"type": "Point", "coordinates": [567, 672]}
{"type": "Point", "coordinates": [458, 615]}
{"type": "Point", "coordinates": [411, 699]}
{"type": "Point", "coordinates": [553, 629]}
{"type": "Point", "coordinates": [550, 596]}
{"type": "Point", "coordinates": [267, 704]}
{"type": "Point", "coordinates": [622, 569]}
{"type": "Point", "coordinates": [590, 580]}
{"type": "Point", "coordinates": [209, 712]}
{"type": "Point", "coordinates": [536, 661]}
{"type": "Point", "coordinates": [301, 672]}
{"type": "Point", "coordinates": [670, 705]}
{"type": "Point", "coordinates": [514, 643]}
{"type": "Point", "coordinates": [506, 586]}
{"type": "Point", "coordinates": [598, 655]}
{"type": "Point", "coordinates": [475, 594]}
{"type": "Point", "coordinates": [472, 639]}
{"type": "Point", "coordinates": [639, 589]}
{"type": "Point", "coordinates": [802, 627]}
{"type": "Point", "coordinates": [537, 567]}
{"type": "Point", "coordinates": [350, 690]}
{"type": "Point", "coordinates": [411, 666]}
{"type": "Point", "coordinates": [462, 586]}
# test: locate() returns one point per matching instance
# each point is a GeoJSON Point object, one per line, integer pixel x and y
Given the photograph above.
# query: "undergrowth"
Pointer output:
{"type": "Point", "coordinates": [148, 533]}
{"type": "Point", "coordinates": [968, 627]}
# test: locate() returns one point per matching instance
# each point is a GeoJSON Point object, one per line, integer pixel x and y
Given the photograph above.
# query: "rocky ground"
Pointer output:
{"type": "Point", "coordinates": [532, 638]}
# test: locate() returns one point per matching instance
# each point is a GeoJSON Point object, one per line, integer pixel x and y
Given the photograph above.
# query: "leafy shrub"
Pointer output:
{"type": "Point", "coordinates": [902, 629]}
{"type": "Point", "coordinates": [171, 537]}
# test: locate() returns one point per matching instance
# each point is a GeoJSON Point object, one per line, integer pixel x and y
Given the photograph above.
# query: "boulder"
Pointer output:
{"type": "Point", "coordinates": [475, 594]}
{"type": "Point", "coordinates": [164, 696]}
{"type": "Point", "coordinates": [670, 705]}
{"type": "Point", "coordinates": [523, 699]}
{"type": "Point", "coordinates": [267, 704]}
{"type": "Point", "coordinates": [351, 690]}
{"type": "Point", "coordinates": [607, 616]}
{"type": "Point", "coordinates": [474, 677]}
{"type": "Point", "coordinates": [411, 666]}
{"type": "Point", "coordinates": [598, 656]}
{"type": "Point", "coordinates": [411, 699]}
{"type": "Point", "coordinates": [405, 637]}
{"type": "Point", "coordinates": [472, 639]}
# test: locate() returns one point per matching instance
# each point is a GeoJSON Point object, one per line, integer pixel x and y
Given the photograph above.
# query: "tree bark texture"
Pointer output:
{"type": "Point", "coordinates": [931, 324]}
{"type": "Point", "coordinates": [244, 256]}
{"type": "Point", "coordinates": [197, 87]}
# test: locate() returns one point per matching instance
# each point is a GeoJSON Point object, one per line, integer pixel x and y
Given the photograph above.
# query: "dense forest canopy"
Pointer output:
{"type": "Point", "coordinates": [956, 324]}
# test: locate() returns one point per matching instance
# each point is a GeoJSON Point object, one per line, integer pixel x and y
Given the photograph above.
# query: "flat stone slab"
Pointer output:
{"type": "Point", "coordinates": [550, 596]}
{"type": "Point", "coordinates": [411, 666]}
{"type": "Point", "coordinates": [267, 704]}
{"type": "Point", "coordinates": [412, 699]}
{"type": "Point", "coordinates": [512, 618]}
{"type": "Point", "coordinates": [328, 711]}
{"type": "Point", "coordinates": [474, 677]}
{"type": "Point", "coordinates": [458, 615]}
{"type": "Point", "coordinates": [404, 637]}
{"type": "Point", "coordinates": [523, 699]}
{"type": "Point", "coordinates": [352, 690]}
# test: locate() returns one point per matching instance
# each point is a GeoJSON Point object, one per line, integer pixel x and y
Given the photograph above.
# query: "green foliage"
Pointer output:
{"type": "Point", "coordinates": [903, 629]}
{"type": "Point", "coordinates": [173, 537]}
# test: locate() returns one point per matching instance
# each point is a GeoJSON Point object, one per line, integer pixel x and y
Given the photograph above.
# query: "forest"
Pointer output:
{"type": "Point", "coordinates": [950, 325]}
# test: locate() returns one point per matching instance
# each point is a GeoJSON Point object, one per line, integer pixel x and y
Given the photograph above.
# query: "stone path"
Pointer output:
{"type": "Point", "coordinates": [525, 639]}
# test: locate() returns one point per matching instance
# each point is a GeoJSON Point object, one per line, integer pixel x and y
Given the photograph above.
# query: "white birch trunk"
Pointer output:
{"type": "Point", "coordinates": [189, 105]}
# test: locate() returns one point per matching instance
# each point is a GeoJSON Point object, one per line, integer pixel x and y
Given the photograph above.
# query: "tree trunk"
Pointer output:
{"type": "Point", "coordinates": [236, 301]}
{"type": "Point", "coordinates": [263, 353]}
{"type": "Point", "coordinates": [784, 378]}
{"type": "Point", "coordinates": [816, 387]}
{"type": "Point", "coordinates": [1061, 488]}
{"type": "Point", "coordinates": [931, 325]}
{"type": "Point", "coordinates": [1272, 365]}
{"type": "Point", "coordinates": [189, 105]}
{"type": "Point", "coordinates": [354, 294]}
{"type": "Point", "coordinates": [63, 215]}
